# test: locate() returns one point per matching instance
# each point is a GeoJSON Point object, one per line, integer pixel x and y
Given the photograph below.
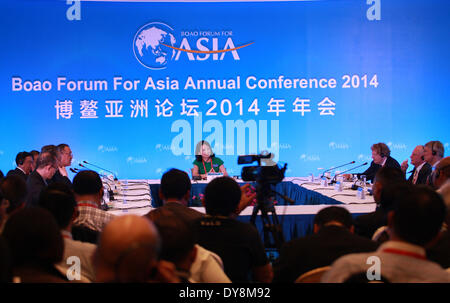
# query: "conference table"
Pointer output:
{"type": "Point", "coordinates": [296, 220]}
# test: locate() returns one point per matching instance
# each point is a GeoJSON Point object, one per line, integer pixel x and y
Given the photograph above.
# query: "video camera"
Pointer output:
{"type": "Point", "coordinates": [261, 174]}
{"type": "Point", "coordinates": [266, 177]}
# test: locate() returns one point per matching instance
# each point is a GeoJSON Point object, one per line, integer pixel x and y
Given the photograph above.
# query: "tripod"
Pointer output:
{"type": "Point", "coordinates": [273, 236]}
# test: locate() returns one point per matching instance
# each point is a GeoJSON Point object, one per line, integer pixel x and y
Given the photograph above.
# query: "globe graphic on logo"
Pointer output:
{"type": "Point", "coordinates": [150, 42]}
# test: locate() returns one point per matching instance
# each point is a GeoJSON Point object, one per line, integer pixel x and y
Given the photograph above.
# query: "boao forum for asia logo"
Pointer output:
{"type": "Point", "coordinates": [155, 45]}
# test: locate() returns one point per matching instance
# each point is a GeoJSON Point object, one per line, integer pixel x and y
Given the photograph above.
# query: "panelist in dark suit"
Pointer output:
{"type": "Point", "coordinates": [333, 237]}
{"type": "Point", "coordinates": [46, 167]}
{"type": "Point", "coordinates": [421, 169]}
{"type": "Point", "coordinates": [422, 175]}
{"type": "Point", "coordinates": [17, 172]}
{"type": "Point", "coordinates": [24, 162]}
{"type": "Point", "coordinates": [64, 157]}
{"type": "Point", "coordinates": [433, 154]}
{"type": "Point", "coordinates": [381, 155]}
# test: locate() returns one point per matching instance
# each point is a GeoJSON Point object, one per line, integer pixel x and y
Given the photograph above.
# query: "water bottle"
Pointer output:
{"type": "Point", "coordinates": [106, 197]}
{"type": "Point", "coordinates": [125, 191]}
{"type": "Point", "coordinates": [363, 181]}
{"type": "Point", "coordinates": [338, 186]}
{"type": "Point", "coordinates": [360, 193]}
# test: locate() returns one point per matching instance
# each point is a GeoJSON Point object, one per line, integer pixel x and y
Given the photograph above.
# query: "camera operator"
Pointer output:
{"type": "Point", "coordinates": [237, 243]}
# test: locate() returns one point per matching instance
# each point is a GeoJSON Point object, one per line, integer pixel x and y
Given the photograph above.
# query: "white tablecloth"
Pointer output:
{"type": "Point", "coordinates": [133, 197]}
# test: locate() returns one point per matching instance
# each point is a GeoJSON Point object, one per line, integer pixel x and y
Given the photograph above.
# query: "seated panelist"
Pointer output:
{"type": "Point", "coordinates": [381, 156]}
{"type": "Point", "coordinates": [421, 170]}
{"type": "Point", "coordinates": [206, 162]}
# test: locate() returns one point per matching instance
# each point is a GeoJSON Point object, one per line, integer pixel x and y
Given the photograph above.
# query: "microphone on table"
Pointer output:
{"type": "Point", "coordinates": [74, 170]}
{"type": "Point", "coordinates": [330, 169]}
{"type": "Point", "coordinates": [82, 166]}
{"type": "Point", "coordinates": [341, 173]}
{"type": "Point", "coordinates": [86, 162]}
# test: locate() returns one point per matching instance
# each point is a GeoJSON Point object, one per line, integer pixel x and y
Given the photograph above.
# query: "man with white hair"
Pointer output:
{"type": "Point", "coordinates": [421, 170]}
{"type": "Point", "coordinates": [433, 154]}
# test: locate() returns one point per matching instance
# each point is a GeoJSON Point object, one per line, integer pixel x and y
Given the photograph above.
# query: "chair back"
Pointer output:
{"type": "Point", "coordinates": [313, 276]}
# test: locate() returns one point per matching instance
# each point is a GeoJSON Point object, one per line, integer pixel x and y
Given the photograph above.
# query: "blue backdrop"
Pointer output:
{"type": "Point", "coordinates": [315, 82]}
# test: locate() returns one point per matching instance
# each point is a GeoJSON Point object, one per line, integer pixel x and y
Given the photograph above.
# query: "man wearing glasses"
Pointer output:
{"type": "Point", "coordinates": [46, 166]}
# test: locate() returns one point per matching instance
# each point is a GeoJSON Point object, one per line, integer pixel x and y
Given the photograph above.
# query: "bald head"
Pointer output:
{"type": "Point", "coordinates": [417, 157]}
{"type": "Point", "coordinates": [128, 250]}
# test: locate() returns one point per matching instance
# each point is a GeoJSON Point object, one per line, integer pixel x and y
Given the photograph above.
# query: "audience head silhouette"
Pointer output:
{"type": "Point", "coordinates": [175, 184]}
{"type": "Point", "coordinates": [333, 215]}
{"type": "Point", "coordinates": [128, 250]}
{"type": "Point", "coordinates": [34, 239]}
{"type": "Point", "coordinates": [58, 199]}
{"type": "Point", "coordinates": [386, 176]}
{"type": "Point", "coordinates": [14, 191]}
{"type": "Point", "coordinates": [222, 196]}
{"type": "Point", "coordinates": [417, 216]}
{"type": "Point", "coordinates": [177, 238]}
